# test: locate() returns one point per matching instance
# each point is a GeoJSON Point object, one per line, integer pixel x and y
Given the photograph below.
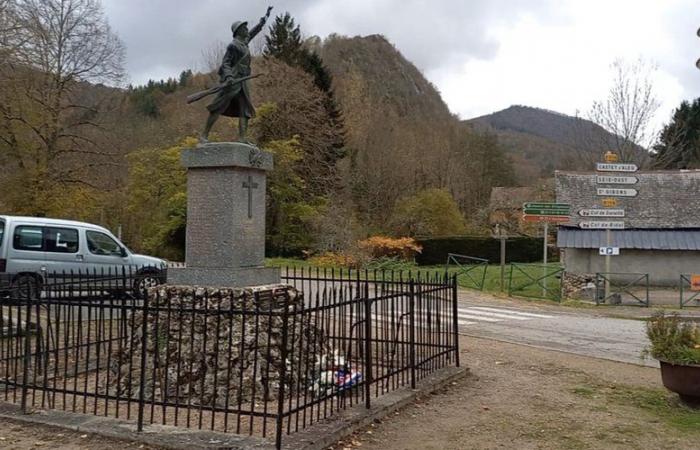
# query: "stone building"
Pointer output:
{"type": "Point", "coordinates": [661, 236]}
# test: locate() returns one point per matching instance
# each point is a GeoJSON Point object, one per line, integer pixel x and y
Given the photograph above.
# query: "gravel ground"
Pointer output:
{"type": "Point", "coordinates": [528, 398]}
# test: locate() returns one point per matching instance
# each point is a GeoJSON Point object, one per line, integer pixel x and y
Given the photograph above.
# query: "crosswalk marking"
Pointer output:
{"type": "Point", "coordinates": [477, 317]}
{"type": "Point", "coordinates": [466, 315]}
{"type": "Point", "coordinates": [486, 314]}
{"type": "Point", "coordinates": [510, 311]}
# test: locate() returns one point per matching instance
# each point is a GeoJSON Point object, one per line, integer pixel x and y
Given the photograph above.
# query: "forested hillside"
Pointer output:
{"type": "Point", "coordinates": [540, 141]}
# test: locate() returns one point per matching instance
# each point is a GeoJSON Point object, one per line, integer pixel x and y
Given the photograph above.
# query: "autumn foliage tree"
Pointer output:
{"type": "Point", "coordinates": [51, 123]}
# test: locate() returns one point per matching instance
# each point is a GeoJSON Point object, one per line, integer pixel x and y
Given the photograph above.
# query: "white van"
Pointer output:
{"type": "Point", "coordinates": [34, 248]}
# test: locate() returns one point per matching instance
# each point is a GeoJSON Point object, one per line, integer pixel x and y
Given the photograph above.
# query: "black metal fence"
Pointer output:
{"type": "Point", "coordinates": [258, 362]}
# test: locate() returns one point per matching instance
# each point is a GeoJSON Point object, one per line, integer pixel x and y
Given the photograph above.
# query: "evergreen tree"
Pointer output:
{"type": "Point", "coordinates": [284, 40]}
{"type": "Point", "coordinates": [679, 142]}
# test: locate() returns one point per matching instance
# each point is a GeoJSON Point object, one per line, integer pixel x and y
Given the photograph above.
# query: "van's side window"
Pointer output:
{"type": "Point", "coordinates": [28, 238]}
{"type": "Point", "coordinates": [2, 231]}
{"type": "Point", "coordinates": [61, 240]}
{"type": "Point", "coordinates": [101, 244]}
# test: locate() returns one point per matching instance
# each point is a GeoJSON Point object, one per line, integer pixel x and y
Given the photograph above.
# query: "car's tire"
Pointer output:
{"type": "Point", "coordinates": [25, 287]}
{"type": "Point", "coordinates": [144, 281]}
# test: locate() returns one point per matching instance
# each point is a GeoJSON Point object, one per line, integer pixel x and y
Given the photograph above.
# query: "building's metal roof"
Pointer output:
{"type": "Point", "coordinates": [683, 239]}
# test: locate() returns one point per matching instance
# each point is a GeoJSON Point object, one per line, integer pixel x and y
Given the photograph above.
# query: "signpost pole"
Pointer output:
{"type": "Point", "coordinates": [608, 239]}
{"type": "Point", "coordinates": [503, 263]}
{"type": "Point", "coordinates": [544, 258]}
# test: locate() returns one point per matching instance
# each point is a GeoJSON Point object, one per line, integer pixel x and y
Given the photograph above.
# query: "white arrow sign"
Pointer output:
{"type": "Point", "coordinates": [616, 167]}
{"type": "Point", "coordinates": [602, 225]}
{"type": "Point", "coordinates": [609, 251]}
{"type": "Point", "coordinates": [616, 192]}
{"type": "Point", "coordinates": [602, 213]}
{"type": "Point", "coordinates": [611, 179]}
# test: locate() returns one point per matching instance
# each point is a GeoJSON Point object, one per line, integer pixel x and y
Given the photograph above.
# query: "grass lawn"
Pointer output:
{"type": "Point", "coordinates": [522, 277]}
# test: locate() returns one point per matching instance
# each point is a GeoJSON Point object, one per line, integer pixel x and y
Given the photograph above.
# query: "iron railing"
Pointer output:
{"type": "Point", "coordinates": [471, 271]}
{"type": "Point", "coordinates": [258, 362]}
{"type": "Point", "coordinates": [622, 287]}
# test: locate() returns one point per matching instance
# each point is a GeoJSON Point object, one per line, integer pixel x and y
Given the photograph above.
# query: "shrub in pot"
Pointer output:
{"type": "Point", "coordinates": [676, 344]}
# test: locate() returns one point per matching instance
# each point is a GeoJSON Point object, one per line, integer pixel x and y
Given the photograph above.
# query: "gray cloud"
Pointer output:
{"type": "Point", "coordinates": [164, 37]}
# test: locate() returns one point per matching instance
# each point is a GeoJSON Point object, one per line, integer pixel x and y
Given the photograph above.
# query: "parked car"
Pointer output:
{"type": "Point", "coordinates": [35, 251]}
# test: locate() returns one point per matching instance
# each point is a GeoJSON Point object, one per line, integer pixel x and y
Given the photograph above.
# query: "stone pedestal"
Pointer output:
{"type": "Point", "coordinates": [225, 246]}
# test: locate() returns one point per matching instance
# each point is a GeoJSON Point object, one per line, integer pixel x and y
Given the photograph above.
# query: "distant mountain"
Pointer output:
{"type": "Point", "coordinates": [540, 141]}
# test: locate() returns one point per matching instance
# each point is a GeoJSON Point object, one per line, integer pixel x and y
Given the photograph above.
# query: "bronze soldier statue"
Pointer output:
{"type": "Point", "coordinates": [233, 99]}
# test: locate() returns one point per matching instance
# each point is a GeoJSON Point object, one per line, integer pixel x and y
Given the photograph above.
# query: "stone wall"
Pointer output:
{"type": "Point", "coordinates": [214, 346]}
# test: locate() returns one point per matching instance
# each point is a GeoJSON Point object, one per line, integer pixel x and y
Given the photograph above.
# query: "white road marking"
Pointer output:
{"type": "Point", "coordinates": [478, 317]}
{"type": "Point", "coordinates": [510, 311]}
{"type": "Point", "coordinates": [490, 314]}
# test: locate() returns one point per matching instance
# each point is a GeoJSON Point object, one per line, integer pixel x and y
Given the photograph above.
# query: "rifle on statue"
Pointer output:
{"type": "Point", "coordinates": [200, 95]}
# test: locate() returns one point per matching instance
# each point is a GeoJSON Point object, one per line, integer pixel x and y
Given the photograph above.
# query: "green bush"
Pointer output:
{"type": "Point", "coordinates": [672, 339]}
{"type": "Point", "coordinates": [430, 212]}
{"type": "Point", "coordinates": [518, 249]}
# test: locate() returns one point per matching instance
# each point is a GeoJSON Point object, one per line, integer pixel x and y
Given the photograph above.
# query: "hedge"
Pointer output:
{"type": "Point", "coordinates": [518, 249]}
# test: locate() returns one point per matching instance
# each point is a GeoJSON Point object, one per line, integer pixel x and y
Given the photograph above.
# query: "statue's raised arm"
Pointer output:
{"type": "Point", "coordinates": [257, 28]}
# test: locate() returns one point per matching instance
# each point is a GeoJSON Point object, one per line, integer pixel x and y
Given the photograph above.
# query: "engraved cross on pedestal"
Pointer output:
{"type": "Point", "coordinates": [250, 185]}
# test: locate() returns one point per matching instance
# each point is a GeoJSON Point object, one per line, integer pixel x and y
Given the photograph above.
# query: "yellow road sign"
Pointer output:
{"type": "Point", "coordinates": [611, 157]}
{"type": "Point", "coordinates": [609, 202]}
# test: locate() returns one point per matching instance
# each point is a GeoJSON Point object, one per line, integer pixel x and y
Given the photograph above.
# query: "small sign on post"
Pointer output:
{"type": "Point", "coordinates": [609, 251]}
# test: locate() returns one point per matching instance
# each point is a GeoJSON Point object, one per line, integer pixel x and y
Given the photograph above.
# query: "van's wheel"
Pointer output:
{"type": "Point", "coordinates": [25, 287]}
{"type": "Point", "coordinates": [143, 282]}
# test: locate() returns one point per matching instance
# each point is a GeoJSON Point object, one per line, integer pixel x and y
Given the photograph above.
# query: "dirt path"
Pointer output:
{"type": "Point", "coordinates": [527, 398]}
{"type": "Point", "coordinates": [17, 435]}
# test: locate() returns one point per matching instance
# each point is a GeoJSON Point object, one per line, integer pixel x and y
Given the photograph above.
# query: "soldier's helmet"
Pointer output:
{"type": "Point", "coordinates": [237, 25]}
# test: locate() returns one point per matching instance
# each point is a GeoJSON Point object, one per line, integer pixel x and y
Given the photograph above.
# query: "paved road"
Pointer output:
{"type": "Point", "coordinates": [574, 332]}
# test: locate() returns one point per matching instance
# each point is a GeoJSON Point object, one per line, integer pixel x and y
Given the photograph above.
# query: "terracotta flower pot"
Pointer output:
{"type": "Point", "coordinates": [683, 380]}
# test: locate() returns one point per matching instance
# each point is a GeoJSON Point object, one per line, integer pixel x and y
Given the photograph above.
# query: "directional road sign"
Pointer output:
{"type": "Point", "coordinates": [615, 179]}
{"type": "Point", "coordinates": [597, 212]}
{"type": "Point", "coordinates": [616, 192]}
{"type": "Point", "coordinates": [544, 218]}
{"type": "Point", "coordinates": [609, 251]}
{"type": "Point", "coordinates": [547, 209]}
{"type": "Point", "coordinates": [616, 167]}
{"type": "Point", "coordinates": [602, 225]}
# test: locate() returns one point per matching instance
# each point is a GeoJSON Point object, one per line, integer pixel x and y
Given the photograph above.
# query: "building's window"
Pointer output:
{"type": "Point", "coordinates": [61, 240]}
{"type": "Point", "coordinates": [101, 244]}
{"type": "Point", "coordinates": [29, 238]}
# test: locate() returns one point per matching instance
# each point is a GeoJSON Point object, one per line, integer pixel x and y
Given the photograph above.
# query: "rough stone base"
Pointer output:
{"type": "Point", "coordinates": [244, 277]}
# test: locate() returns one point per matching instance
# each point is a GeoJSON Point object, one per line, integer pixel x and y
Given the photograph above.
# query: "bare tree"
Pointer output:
{"type": "Point", "coordinates": [48, 116]}
{"type": "Point", "coordinates": [212, 56]}
{"type": "Point", "coordinates": [628, 111]}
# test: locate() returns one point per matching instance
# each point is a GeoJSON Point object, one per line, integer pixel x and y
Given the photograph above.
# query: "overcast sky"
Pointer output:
{"type": "Point", "coordinates": [483, 55]}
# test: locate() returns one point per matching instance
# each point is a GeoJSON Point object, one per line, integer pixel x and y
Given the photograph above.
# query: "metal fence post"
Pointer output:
{"type": "Point", "coordinates": [283, 374]}
{"type": "Point", "coordinates": [368, 346]}
{"type": "Point", "coordinates": [144, 346]}
{"type": "Point", "coordinates": [412, 332]}
{"type": "Point", "coordinates": [455, 319]}
{"type": "Point", "coordinates": [681, 289]}
{"type": "Point", "coordinates": [27, 353]}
